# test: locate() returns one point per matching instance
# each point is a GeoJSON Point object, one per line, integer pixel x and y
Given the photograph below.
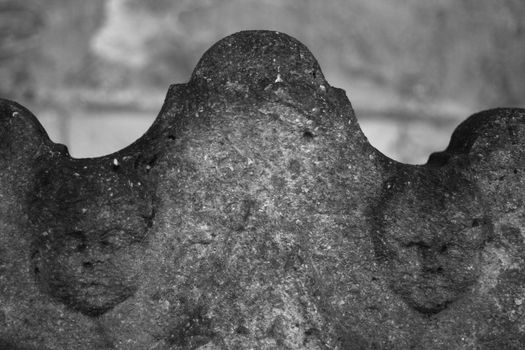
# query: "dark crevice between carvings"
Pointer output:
{"type": "Point", "coordinates": [430, 310]}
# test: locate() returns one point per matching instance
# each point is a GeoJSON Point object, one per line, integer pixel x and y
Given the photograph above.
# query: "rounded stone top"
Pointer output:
{"type": "Point", "coordinates": [483, 133]}
{"type": "Point", "coordinates": [257, 58]}
{"type": "Point", "coordinates": [22, 136]}
{"type": "Point", "coordinates": [491, 127]}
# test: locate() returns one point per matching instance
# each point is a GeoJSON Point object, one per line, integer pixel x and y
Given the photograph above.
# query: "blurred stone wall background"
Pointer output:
{"type": "Point", "coordinates": [96, 72]}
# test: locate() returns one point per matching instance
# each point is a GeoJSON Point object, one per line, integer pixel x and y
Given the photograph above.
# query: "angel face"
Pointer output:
{"type": "Point", "coordinates": [89, 235]}
{"type": "Point", "coordinates": [429, 233]}
{"type": "Point", "coordinates": [91, 269]}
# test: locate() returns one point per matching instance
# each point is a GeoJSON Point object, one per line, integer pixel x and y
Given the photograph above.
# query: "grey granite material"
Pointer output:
{"type": "Point", "coordinates": [254, 214]}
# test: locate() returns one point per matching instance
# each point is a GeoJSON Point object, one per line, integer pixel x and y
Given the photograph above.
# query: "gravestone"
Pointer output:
{"type": "Point", "coordinates": [254, 214]}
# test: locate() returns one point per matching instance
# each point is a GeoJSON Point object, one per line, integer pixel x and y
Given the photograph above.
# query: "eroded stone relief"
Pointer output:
{"type": "Point", "coordinates": [255, 214]}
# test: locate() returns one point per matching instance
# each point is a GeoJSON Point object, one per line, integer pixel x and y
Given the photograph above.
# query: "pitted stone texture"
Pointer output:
{"type": "Point", "coordinates": [254, 214]}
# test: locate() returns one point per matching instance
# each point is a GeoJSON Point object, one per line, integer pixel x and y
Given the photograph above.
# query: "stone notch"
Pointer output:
{"type": "Point", "coordinates": [254, 214]}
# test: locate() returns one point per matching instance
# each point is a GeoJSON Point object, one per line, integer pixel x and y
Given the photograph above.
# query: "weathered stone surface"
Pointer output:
{"type": "Point", "coordinates": [254, 214]}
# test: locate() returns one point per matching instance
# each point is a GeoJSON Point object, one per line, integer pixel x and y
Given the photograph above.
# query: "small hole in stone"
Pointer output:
{"type": "Point", "coordinates": [307, 134]}
{"type": "Point", "coordinates": [81, 247]}
{"type": "Point", "coordinates": [77, 235]}
{"type": "Point", "coordinates": [476, 222]}
{"type": "Point", "coordinates": [87, 265]}
{"type": "Point", "coordinates": [310, 331]}
{"type": "Point", "coordinates": [171, 137]}
{"type": "Point", "coordinates": [515, 171]}
{"type": "Point", "coordinates": [242, 330]}
{"type": "Point", "coordinates": [443, 248]}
